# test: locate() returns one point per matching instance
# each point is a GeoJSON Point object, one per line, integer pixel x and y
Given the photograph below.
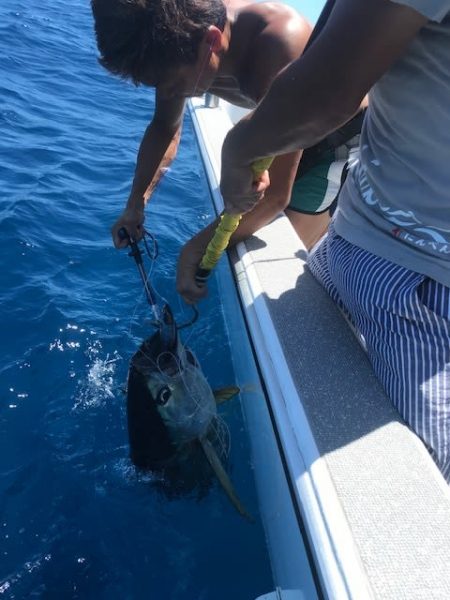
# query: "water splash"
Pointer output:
{"type": "Point", "coordinates": [35, 564]}
{"type": "Point", "coordinates": [99, 385]}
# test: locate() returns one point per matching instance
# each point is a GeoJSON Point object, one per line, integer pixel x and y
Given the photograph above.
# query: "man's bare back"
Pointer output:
{"type": "Point", "coordinates": [264, 38]}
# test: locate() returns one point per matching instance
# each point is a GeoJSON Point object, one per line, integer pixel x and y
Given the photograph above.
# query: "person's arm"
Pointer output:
{"type": "Point", "coordinates": [282, 41]}
{"type": "Point", "coordinates": [157, 150]}
{"type": "Point", "coordinates": [320, 91]}
{"type": "Point", "coordinates": [282, 173]}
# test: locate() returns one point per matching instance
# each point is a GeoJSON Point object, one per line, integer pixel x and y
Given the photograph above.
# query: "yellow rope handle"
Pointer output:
{"type": "Point", "coordinates": [227, 226]}
{"type": "Point", "coordinates": [261, 165]}
{"type": "Point", "coordinates": [225, 229]}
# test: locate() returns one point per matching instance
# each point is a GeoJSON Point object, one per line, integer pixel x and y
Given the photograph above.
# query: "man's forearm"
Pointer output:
{"type": "Point", "coordinates": [288, 119]}
{"type": "Point", "coordinates": [157, 150]}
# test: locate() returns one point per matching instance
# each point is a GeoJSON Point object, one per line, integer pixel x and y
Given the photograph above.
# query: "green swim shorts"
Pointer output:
{"type": "Point", "coordinates": [320, 177]}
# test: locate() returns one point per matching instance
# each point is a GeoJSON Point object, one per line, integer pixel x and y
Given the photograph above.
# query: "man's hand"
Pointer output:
{"type": "Point", "coordinates": [240, 190]}
{"type": "Point", "coordinates": [188, 262]}
{"type": "Point", "coordinates": [132, 219]}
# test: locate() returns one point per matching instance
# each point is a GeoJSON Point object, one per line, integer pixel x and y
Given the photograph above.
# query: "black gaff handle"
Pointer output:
{"type": "Point", "coordinates": [136, 253]}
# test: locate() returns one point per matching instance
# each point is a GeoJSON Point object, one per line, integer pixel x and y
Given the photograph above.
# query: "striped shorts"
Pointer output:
{"type": "Point", "coordinates": [404, 319]}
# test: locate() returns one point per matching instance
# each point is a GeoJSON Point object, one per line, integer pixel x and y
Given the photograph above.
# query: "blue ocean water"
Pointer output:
{"type": "Point", "coordinates": [75, 519]}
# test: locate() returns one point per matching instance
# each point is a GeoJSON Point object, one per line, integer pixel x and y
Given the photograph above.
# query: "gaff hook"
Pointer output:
{"type": "Point", "coordinates": [136, 253]}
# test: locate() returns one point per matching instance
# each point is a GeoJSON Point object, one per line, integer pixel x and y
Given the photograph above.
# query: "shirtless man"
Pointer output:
{"type": "Point", "coordinates": [233, 50]}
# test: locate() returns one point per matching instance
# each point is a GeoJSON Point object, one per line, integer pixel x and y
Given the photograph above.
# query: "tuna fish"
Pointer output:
{"type": "Point", "coordinates": [172, 411]}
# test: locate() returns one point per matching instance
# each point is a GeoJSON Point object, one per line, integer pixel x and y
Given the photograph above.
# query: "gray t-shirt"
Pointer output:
{"type": "Point", "coordinates": [396, 203]}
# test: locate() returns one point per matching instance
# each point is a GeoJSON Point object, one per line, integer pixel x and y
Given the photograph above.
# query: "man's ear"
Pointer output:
{"type": "Point", "coordinates": [213, 38]}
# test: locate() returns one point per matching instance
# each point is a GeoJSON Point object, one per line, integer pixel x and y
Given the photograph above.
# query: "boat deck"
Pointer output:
{"type": "Point", "coordinates": [375, 508]}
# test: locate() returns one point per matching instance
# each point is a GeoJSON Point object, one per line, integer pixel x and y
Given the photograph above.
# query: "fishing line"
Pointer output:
{"type": "Point", "coordinates": [152, 255]}
{"type": "Point", "coordinates": [137, 254]}
{"type": "Point", "coordinates": [217, 426]}
{"type": "Point", "coordinates": [188, 375]}
{"type": "Point", "coordinates": [139, 301]}
{"type": "Point", "coordinates": [194, 388]}
{"type": "Point", "coordinates": [223, 437]}
{"type": "Point", "coordinates": [152, 294]}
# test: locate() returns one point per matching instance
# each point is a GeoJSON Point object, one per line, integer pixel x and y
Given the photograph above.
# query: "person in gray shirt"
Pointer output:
{"type": "Point", "coordinates": [386, 257]}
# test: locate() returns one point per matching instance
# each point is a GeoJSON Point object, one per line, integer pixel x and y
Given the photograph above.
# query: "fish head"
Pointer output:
{"type": "Point", "coordinates": [182, 396]}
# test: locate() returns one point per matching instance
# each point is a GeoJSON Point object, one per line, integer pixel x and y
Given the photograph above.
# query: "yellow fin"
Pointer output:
{"type": "Point", "coordinates": [223, 478]}
{"type": "Point", "coordinates": [225, 393]}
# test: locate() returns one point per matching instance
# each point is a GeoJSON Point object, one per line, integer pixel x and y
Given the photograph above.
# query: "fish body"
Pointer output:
{"type": "Point", "coordinates": [172, 411]}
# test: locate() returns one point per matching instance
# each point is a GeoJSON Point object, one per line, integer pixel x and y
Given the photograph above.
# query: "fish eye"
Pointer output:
{"type": "Point", "coordinates": [164, 395]}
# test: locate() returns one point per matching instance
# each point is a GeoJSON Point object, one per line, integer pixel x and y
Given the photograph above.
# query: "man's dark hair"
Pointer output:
{"type": "Point", "coordinates": [138, 37]}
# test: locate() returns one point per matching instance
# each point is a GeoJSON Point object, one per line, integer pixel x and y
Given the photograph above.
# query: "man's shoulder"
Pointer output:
{"type": "Point", "coordinates": [277, 25]}
{"type": "Point", "coordinates": [278, 36]}
{"type": "Point", "coordinates": [273, 13]}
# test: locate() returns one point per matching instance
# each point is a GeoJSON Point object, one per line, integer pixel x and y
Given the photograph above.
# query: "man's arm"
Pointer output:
{"type": "Point", "coordinates": [282, 41]}
{"type": "Point", "coordinates": [157, 150]}
{"type": "Point", "coordinates": [282, 173]}
{"type": "Point", "coordinates": [320, 91]}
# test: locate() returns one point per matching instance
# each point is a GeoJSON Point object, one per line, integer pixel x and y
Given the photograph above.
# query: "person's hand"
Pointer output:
{"type": "Point", "coordinates": [241, 191]}
{"type": "Point", "coordinates": [132, 220]}
{"type": "Point", "coordinates": [188, 262]}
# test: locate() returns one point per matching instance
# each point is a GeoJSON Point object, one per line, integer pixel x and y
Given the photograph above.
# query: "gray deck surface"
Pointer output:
{"type": "Point", "coordinates": [396, 503]}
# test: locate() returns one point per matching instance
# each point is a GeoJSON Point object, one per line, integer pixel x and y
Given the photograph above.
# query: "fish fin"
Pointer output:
{"type": "Point", "coordinates": [224, 394]}
{"type": "Point", "coordinates": [250, 388]}
{"type": "Point", "coordinates": [223, 478]}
